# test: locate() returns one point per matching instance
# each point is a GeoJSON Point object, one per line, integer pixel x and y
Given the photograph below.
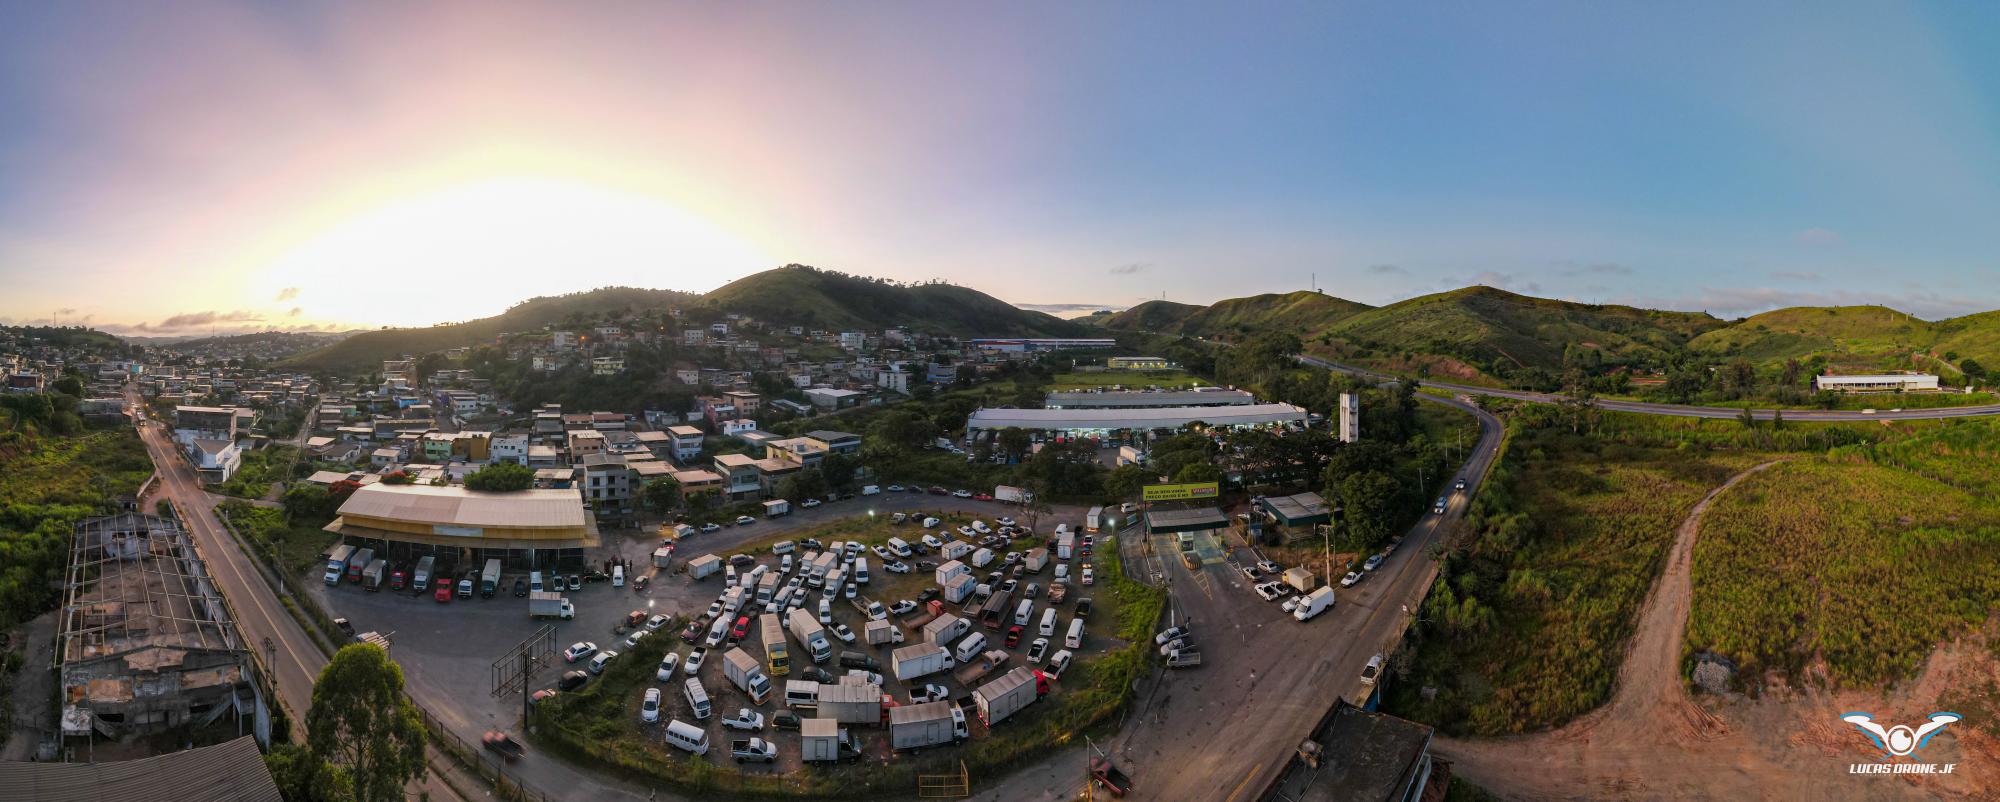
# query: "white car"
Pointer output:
{"type": "Point", "coordinates": [898, 518]}
{"type": "Point", "coordinates": [981, 528]}
{"type": "Point", "coordinates": [667, 666]}
{"type": "Point", "coordinates": [579, 650]}
{"type": "Point", "coordinates": [1353, 578]}
{"type": "Point", "coordinates": [1373, 563]}
{"type": "Point", "coordinates": [711, 527]}
{"type": "Point", "coordinates": [1037, 649]}
{"type": "Point", "coordinates": [876, 612]}
{"type": "Point", "coordinates": [933, 541]}
{"type": "Point", "coordinates": [930, 523]}
{"type": "Point", "coordinates": [829, 592]}
{"type": "Point", "coordinates": [962, 493]}
{"type": "Point", "coordinates": [851, 591]}
{"type": "Point", "coordinates": [633, 639]}
{"type": "Point", "coordinates": [1290, 605]}
{"type": "Point", "coordinates": [902, 607]}
{"type": "Point", "coordinates": [896, 567]}
{"type": "Point", "coordinates": [843, 633]}
{"type": "Point", "coordinates": [1268, 591]}
{"type": "Point", "coordinates": [653, 624]}
{"type": "Point", "coordinates": [965, 531]}
{"type": "Point", "coordinates": [1169, 634]}
{"type": "Point", "coordinates": [1267, 567]}
{"type": "Point", "coordinates": [649, 710]}
{"type": "Point", "coordinates": [882, 552]}
{"type": "Point", "coordinates": [693, 664]}
{"type": "Point", "coordinates": [810, 503]}
{"type": "Point", "coordinates": [1372, 671]}
{"type": "Point", "coordinates": [825, 611]}
{"type": "Point", "coordinates": [1006, 522]}
{"type": "Point", "coordinates": [1088, 577]}
{"type": "Point", "coordinates": [745, 719]}
{"type": "Point", "coordinates": [745, 520]}
{"type": "Point", "coordinates": [929, 693]}
{"type": "Point", "coordinates": [1057, 664]}
{"type": "Point", "coordinates": [602, 659]}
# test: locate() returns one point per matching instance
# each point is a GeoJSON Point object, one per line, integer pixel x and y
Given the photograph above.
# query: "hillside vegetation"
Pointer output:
{"type": "Point", "coordinates": [47, 484]}
{"type": "Point", "coordinates": [368, 349]}
{"type": "Point", "coordinates": [1301, 313]}
{"type": "Point", "coordinates": [807, 296]}
{"type": "Point", "coordinates": [1847, 337]}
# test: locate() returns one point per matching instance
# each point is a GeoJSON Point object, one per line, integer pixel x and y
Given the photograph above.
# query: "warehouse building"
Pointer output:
{"type": "Point", "coordinates": [1354, 755]}
{"type": "Point", "coordinates": [1878, 383]}
{"type": "Point", "coordinates": [526, 529]}
{"type": "Point", "coordinates": [1124, 422]}
{"type": "Point", "coordinates": [1145, 399]}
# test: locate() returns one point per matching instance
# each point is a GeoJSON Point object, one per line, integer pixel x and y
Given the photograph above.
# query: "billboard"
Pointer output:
{"type": "Point", "coordinates": [1193, 491]}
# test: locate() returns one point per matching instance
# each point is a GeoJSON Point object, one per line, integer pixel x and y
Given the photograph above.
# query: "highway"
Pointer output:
{"type": "Point", "coordinates": [1680, 410]}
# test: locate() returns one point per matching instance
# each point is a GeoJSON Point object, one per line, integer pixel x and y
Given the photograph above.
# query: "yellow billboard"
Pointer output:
{"type": "Point", "coordinates": [1191, 491]}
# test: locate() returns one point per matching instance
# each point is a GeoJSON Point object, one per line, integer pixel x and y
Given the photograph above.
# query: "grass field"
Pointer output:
{"type": "Point", "coordinates": [296, 546]}
{"type": "Point", "coordinates": [260, 469]}
{"type": "Point", "coordinates": [47, 484]}
{"type": "Point", "coordinates": [1129, 379]}
{"type": "Point", "coordinates": [1866, 559]}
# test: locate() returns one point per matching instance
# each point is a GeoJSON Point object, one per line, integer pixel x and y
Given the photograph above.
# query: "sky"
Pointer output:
{"type": "Point", "coordinates": [186, 167]}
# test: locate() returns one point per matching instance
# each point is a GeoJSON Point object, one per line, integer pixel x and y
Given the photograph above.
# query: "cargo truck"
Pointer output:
{"type": "Point", "coordinates": [950, 571]}
{"type": "Point", "coordinates": [358, 563]}
{"type": "Point", "coordinates": [917, 726]}
{"type": "Point", "coordinates": [920, 660]}
{"type": "Point", "coordinates": [1013, 495]}
{"type": "Point", "coordinates": [851, 702]}
{"type": "Point", "coordinates": [1300, 579]}
{"type": "Point", "coordinates": [981, 666]}
{"type": "Point", "coordinates": [955, 549]}
{"type": "Point", "coordinates": [489, 579]}
{"type": "Point", "coordinates": [767, 587]}
{"type": "Point", "coordinates": [549, 604]}
{"type": "Point", "coordinates": [945, 629]}
{"type": "Point", "coordinates": [742, 669]}
{"type": "Point", "coordinates": [777, 653]}
{"type": "Point", "coordinates": [372, 576]}
{"type": "Point", "coordinates": [1010, 693]}
{"type": "Point", "coordinates": [1065, 546]}
{"type": "Point", "coordinates": [776, 508]}
{"type": "Point", "coordinates": [824, 740]}
{"type": "Point", "coordinates": [704, 566]}
{"type": "Point", "coordinates": [931, 610]}
{"type": "Point", "coordinates": [882, 633]}
{"type": "Point", "coordinates": [960, 589]}
{"type": "Point", "coordinates": [982, 557]}
{"type": "Point", "coordinates": [426, 568]}
{"type": "Point", "coordinates": [810, 635]}
{"type": "Point", "coordinates": [663, 557]}
{"type": "Point", "coordinates": [336, 563]}
{"type": "Point", "coordinates": [1314, 603]}
{"type": "Point", "coordinates": [993, 614]}
{"type": "Point", "coordinates": [1037, 559]}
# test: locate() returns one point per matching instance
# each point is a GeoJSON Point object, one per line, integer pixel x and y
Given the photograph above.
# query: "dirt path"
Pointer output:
{"type": "Point", "coordinates": [1652, 741]}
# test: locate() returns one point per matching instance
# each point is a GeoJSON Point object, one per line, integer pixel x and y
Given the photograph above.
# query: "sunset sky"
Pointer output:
{"type": "Point", "coordinates": [181, 167]}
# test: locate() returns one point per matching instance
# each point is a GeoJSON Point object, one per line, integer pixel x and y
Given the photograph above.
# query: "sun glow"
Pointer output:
{"type": "Point", "coordinates": [474, 248]}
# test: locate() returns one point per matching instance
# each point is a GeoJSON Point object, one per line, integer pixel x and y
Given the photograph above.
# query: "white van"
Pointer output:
{"type": "Point", "coordinates": [1062, 571]}
{"type": "Point", "coordinates": [786, 566]}
{"type": "Point", "coordinates": [1075, 639]}
{"type": "Point", "coordinates": [716, 631]}
{"type": "Point", "coordinates": [801, 693]}
{"type": "Point", "coordinates": [1024, 612]}
{"type": "Point", "coordinates": [898, 547]}
{"type": "Point", "coordinates": [535, 581]}
{"type": "Point", "coordinates": [970, 647]}
{"type": "Point", "coordinates": [697, 697]}
{"type": "Point", "coordinates": [870, 490]}
{"type": "Point", "coordinates": [783, 547]}
{"type": "Point", "coordinates": [861, 570]}
{"type": "Point", "coordinates": [1048, 622]}
{"type": "Point", "coordinates": [688, 736]}
{"type": "Point", "coordinates": [618, 576]}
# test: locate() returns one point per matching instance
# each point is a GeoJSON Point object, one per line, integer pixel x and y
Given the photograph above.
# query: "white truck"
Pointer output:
{"type": "Point", "coordinates": [1010, 693]}
{"type": "Point", "coordinates": [1065, 545]}
{"type": "Point", "coordinates": [1314, 603]}
{"type": "Point", "coordinates": [549, 604]}
{"type": "Point", "coordinates": [851, 702]}
{"type": "Point", "coordinates": [777, 507]}
{"type": "Point", "coordinates": [336, 563]}
{"type": "Point", "coordinates": [810, 635]}
{"type": "Point", "coordinates": [1300, 579]}
{"type": "Point", "coordinates": [945, 629]}
{"type": "Point", "coordinates": [920, 660]}
{"type": "Point", "coordinates": [426, 568]}
{"type": "Point", "coordinates": [1037, 559]}
{"type": "Point", "coordinates": [743, 670]}
{"type": "Point", "coordinates": [951, 570]}
{"type": "Point", "coordinates": [914, 727]}
{"type": "Point", "coordinates": [1012, 495]}
{"type": "Point", "coordinates": [882, 633]}
{"type": "Point", "coordinates": [955, 549]}
{"type": "Point", "coordinates": [704, 566]}
{"type": "Point", "coordinates": [823, 740]}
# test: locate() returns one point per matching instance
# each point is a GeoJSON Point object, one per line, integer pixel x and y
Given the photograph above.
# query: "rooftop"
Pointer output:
{"type": "Point", "coordinates": [227, 772]}
{"type": "Point", "coordinates": [457, 506]}
{"type": "Point", "coordinates": [1149, 398]}
{"type": "Point", "coordinates": [1366, 757]}
{"type": "Point", "coordinates": [1155, 418]}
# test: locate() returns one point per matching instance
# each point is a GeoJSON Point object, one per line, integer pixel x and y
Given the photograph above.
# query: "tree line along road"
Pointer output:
{"type": "Point", "coordinates": [1679, 410]}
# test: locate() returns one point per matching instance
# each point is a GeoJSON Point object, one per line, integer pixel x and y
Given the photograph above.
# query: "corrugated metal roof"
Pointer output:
{"type": "Point", "coordinates": [457, 506]}
{"type": "Point", "coordinates": [928, 711]}
{"type": "Point", "coordinates": [227, 772]}
{"type": "Point", "coordinates": [1161, 418]}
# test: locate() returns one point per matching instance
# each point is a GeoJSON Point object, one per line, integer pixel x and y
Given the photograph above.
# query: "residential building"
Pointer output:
{"type": "Point", "coordinates": [894, 380]}
{"type": "Point", "coordinates": [25, 382]}
{"type": "Point", "coordinates": [607, 365]}
{"type": "Point", "coordinates": [836, 442]}
{"type": "Point", "coordinates": [215, 460]}
{"type": "Point", "coordinates": [698, 481]}
{"type": "Point", "coordinates": [853, 340]}
{"type": "Point", "coordinates": [1138, 363]}
{"type": "Point", "coordinates": [746, 403]}
{"type": "Point", "coordinates": [607, 482]}
{"type": "Point", "coordinates": [801, 450]}
{"type": "Point", "coordinates": [737, 426]}
{"type": "Point", "coordinates": [205, 423]}
{"type": "Point", "coordinates": [740, 480]}
{"type": "Point", "coordinates": [687, 442]}
{"type": "Point", "coordinates": [583, 443]}
{"type": "Point", "coordinates": [437, 447]}
{"type": "Point", "coordinates": [828, 398]}
{"type": "Point", "coordinates": [511, 448]}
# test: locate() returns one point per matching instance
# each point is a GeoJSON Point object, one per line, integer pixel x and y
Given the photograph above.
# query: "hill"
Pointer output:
{"type": "Point", "coordinates": [1298, 312]}
{"type": "Point", "coordinates": [87, 340]}
{"type": "Point", "coordinates": [1154, 316]}
{"type": "Point", "coordinates": [368, 349]}
{"type": "Point", "coordinates": [1500, 331]}
{"type": "Point", "coordinates": [1849, 337]}
{"type": "Point", "coordinates": [807, 296]}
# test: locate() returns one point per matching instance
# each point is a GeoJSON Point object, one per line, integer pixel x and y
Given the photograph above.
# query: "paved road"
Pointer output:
{"type": "Point", "coordinates": [1683, 410]}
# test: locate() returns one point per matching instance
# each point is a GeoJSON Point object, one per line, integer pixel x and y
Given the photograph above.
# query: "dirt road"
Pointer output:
{"type": "Point", "coordinates": [1653, 741]}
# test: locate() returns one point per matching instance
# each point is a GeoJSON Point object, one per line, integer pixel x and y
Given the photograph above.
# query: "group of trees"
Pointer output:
{"type": "Point", "coordinates": [364, 739]}
{"type": "Point", "coordinates": [501, 476]}
{"type": "Point", "coordinates": [53, 412]}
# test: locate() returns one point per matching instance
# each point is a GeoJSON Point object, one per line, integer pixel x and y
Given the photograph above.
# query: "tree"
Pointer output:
{"type": "Point", "coordinates": [807, 483]}
{"type": "Point", "coordinates": [1013, 442]}
{"type": "Point", "coordinates": [1777, 419]}
{"type": "Point", "coordinates": [839, 470]}
{"type": "Point", "coordinates": [1972, 369]}
{"type": "Point", "coordinates": [1748, 420]}
{"type": "Point", "coordinates": [69, 385]}
{"type": "Point", "coordinates": [661, 494]}
{"type": "Point", "coordinates": [1124, 481]}
{"type": "Point", "coordinates": [1198, 472]}
{"type": "Point", "coordinates": [302, 776]}
{"type": "Point", "coordinates": [362, 724]}
{"type": "Point", "coordinates": [307, 502]}
{"type": "Point", "coordinates": [501, 477]}
{"type": "Point", "coordinates": [398, 478]}
{"type": "Point", "coordinates": [1371, 500]}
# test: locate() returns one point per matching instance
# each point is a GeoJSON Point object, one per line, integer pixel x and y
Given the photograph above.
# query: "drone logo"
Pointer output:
{"type": "Point", "coordinates": [1900, 740]}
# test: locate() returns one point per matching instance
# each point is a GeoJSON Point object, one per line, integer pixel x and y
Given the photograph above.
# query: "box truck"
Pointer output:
{"type": "Point", "coordinates": [810, 635]}
{"type": "Point", "coordinates": [851, 702]}
{"type": "Point", "coordinates": [358, 563]}
{"type": "Point", "coordinates": [704, 566]}
{"type": "Point", "coordinates": [950, 571]}
{"type": "Point", "coordinates": [823, 740]}
{"type": "Point", "coordinates": [489, 579]}
{"type": "Point", "coordinates": [549, 604]}
{"type": "Point", "coordinates": [426, 568]}
{"type": "Point", "coordinates": [882, 633]}
{"type": "Point", "coordinates": [945, 629]}
{"type": "Point", "coordinates": [1012, 495]}
{"type": "Point", "coordinates": [920, 660]}
{"type": "Point", "coordinates": [777, 653]}
{"type": "Point", "coordinates": [1037, 559]}
{"type": "Point", "coordinates": [979, 667]}
{"type": "Point", "coordinates": [776, 508]}
{"type": "Point", "coordinates": [955, 549]}
{"type": "Point", "coordinates": [663, 557]}
{"type": "Point", "coordinates": [1300, 579]}
{"type": "Point", "coordinates": [743, 670]}
{"type": "Point", "coordinates": [372, 576]}
{"type": "Point", "coordinates": [1010, 693]}
{"type": "Point", "coordinates": [960, 588]}
{"type": "Point", "coordinates": [1065, 546]}
{"type": "Point", "coordinates": [1094, 519]}
{"type": "Point", "coordinates": [336, 563]}
{"type": "Point", "coordinates": [929, 724]}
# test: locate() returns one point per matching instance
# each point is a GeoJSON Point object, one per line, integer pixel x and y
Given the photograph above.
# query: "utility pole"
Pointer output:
{"type": "Point", "coordinates": [527, 665]}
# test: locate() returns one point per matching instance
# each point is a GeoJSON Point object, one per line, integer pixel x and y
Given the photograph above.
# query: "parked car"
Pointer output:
{"type": "Point", "coordinates": [1374, 562]}
{"type": "Point", "coordinates": [897, 567]}
{"type": "Point", "coordinates": [692, 665]}
{"type": "Point", "coordinates": [1372, 671]}
{"type": "Point", "coordinates": [637, 635]}
{"type": "Point", "coordinates": [653, 624]}
{"type": "Point", "coordinates": [895, 488]}
{"type": "Point", "coordinates": [602, 659]}
{"type": "Point", "coordinates": [572, 680]}
{"type": "Point", "coordinates": [876, 612]}
{"type": "Point", "coordinates": [843, 633]}
{"type": "Point", "coordinates": [1353, 578]}
{"type": "Point", "coordinates": [520, 588]}
{"type": "Point", "coordinates": [902, 607]}
{"type": "Point", "coordinates": [579, 650]}
{"type": "Point", "coordinates": [810, 503]}
{"type": "Point", "coordinates": [1168, 634]}
{"type": "Point", "coordinates": [1058, 664]}
{"type": "Point", "coordinates": [692, 632]}
{"type": "Point", "coordinates": [741, 628]}
{"type": "Point", "coordinates": [542, 695]}
{"type": "Point", "coordinates": [786, 720]}
{"type": "Point", "coordinates": [745, 520]}
{"type": "Point", "coordinates": [649, 710]}
{"type": "Point", "coordinates": [711, 527]}
{"type": "Point", "coordinates": [1267, 566]}
{"type": "Point", "coordinates": [1083, 607]}
{"type": "Point", "coordinates": [744, 719]}
{"type": "Point", "coordinates": [1269, 591]}
{"type": "Point", "coordinates": [1014, 636]}
{"type": "Point", "coordinates": [667, 666]}
{"type": "Point", "coordinates": [931, 692]}
{"type": "Point", "coordinates": [961, 493]}
{"type": "Point", "coordinates": [575, 582]}
{"type": "Point", "coordinates": [1037, 649]}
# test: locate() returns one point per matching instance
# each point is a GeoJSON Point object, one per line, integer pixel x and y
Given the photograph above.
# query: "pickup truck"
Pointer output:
{"type": "Point", "coordinates": [745, 719]}
{"type": "Point", "coordinates": [753, 750]}
{"type": "Point", "coordinates": [1110, 777]}
{"type": "Point", "coordinates": [1183, 658]}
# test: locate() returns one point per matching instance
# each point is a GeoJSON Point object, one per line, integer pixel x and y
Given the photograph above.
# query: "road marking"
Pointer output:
{"type": "Point", "coordinates": [1254, 771]}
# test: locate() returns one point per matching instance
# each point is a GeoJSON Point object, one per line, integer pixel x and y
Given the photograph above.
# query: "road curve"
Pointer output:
{"type": "Point", "coordinates": [1681, 410]}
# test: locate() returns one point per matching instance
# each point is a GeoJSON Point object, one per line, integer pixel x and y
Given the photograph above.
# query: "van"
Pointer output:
{"type": "Point", "coordinates": [1024, 612]}
{"type": "Point", "coordinates": [618, 576]}
{"type": "Point", "coordinates": [861, 571]}
{"type": "Point", "coordinates": [870, 490]}
{"type": "Point", "coordinates": [970, 647]}
{"type": "Point", "coordinates": [1048, 622]}
{"type": "Point", "coordinates": [697, 697]}
{"type": "Point", "coordinates": [801, 693]}
{"type": "Point", "coordinates": [898, 547]}
{"type": "Point", "coordinates": [786, 566]}
{"type": "Point", "coordinates": [535, 581]}
{"type": "Point", "coordinates": [1062, 571]}
{"type": "Point", "coordinates": [783, 547]}
{"type": "Point", "coordinates": [688, 736]}
{"type": "Point", "coordinates": [1075, 638]}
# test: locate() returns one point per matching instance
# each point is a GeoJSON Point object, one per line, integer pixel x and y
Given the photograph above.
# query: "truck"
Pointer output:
{"type": "Point", "coordinates": [1093, 520]}
{"type": "Point", "coordinates": [743, 670]}
{"type": "Point", "coordinates": [954, 549]}
{"type": "Point", "coordinates": [824, 563]}
{"type": "Point", "coordinates": [982, 557]}
{"type": "Point", "coordinates": [426, 568]}
{"type": "Point", "coordinates": [981, 666]}
{"type": "Point", "coordinates": [950, 571]}
{"type": "Point", "coordinates": [824, 740]}
{"type": "Point", "coordinates": [336, 563]}
{"type": "Point", "coordinates": [372, 576]}
{"type": "Point", "coordinates": [704, 566]}
{"type": "Point", "coordinates": [1010, 693]}
{"type": "Point", "coordinates": [993, 614]}
{"type": "Point", "coordinates": [1036, 560]}
{"type": "Point", "coordinates": [753, 750]}
{"type": "Point", "coordinates": [944, 629]}
{"type": "Point", "coordinates": [810, 635]}
{"type": "Point", "coordinates": [1314, 603]}
{"type": "Point", "coordinates": [851, 702]}
{"type": "Point", "coordinates": [358, 563]}
{"type": "Point", "coordinates": [1013, 495]}
{"type": "Point", "coordinates": [1300, 579]}
{"type": "Point", "coordinates": [960, 588]}
{"type": "Point", "coordinates": [1183, 658]}
{"type": "Point", "coordinates": [931, 610]}
{"type": "Point", "coordinates": [882, 633]}
{"type": "Point", "coordinates": [777, 508]}
{"type": "Point", "coordinates": [1109, 777]}
{"type": "Point", "coordinates": [489, 579]}
{"type": "Point", "coordinates": [777, 652]}
{"type": "Point", "coordinates": [663, 557]}
{"type": "Point", "coordinates": [920, 660]}
{"type": "Point", "coordinates": [549, 604]}
{"type": "Point", "coordinates": [917, 726]}
{"type": "Point", "coordinates": [767, 587]}
{"type": "Point", "coordinates": [1065, 546]}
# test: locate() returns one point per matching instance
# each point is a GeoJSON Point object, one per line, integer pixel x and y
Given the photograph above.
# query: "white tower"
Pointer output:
{"type": "Point", "coordinates": [1350, 418]}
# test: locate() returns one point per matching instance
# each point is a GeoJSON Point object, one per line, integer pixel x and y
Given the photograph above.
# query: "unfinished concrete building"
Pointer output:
{"type": "Point", "coordinates": [145, 644]}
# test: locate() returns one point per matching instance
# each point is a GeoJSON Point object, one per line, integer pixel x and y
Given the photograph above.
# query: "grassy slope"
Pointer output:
{"type": "Point", "coordinates": [805, 296]}
{"type": "Point", "coordinates": [1848, 336]}
{"type": "Point", "coordinates": [1302, 313]}
{"type": "Point", "coordinates": [47, 484]}
{"type": "Point", "coordinates": [368, 349]}
{"type": "Point", "coordinates": [1164, 316]}
{"type": "Point", "coordinates": [1484, 324]}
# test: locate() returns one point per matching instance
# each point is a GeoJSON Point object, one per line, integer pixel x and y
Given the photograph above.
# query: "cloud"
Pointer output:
{"type": "Point", "coordinates": [295, 311]}
{"type": "Point", "coordinates": [1130, 268]}
{"type": "Point", "coordinates": [66, 312]}
{"type": "Point", "coordinates": [1744, 301]}
{"type": "Point", "coordinates": [1070, 310]}
{"type": "Point", "coordinates": [1796, 275]}
{"type": "Point", "coordinates": [192, 320]}
{"type": "Point", "coordinates": [1388, 270]}
{"type": "Point", "coordinates": [1818, 236]}
{"type": "Point", "coordinates": [288, 293]}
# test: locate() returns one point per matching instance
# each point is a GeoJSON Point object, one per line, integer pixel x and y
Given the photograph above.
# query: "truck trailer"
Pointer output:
{"type": "Point", "coordinates": [743, 670]}
{"type": "Point", "coordinates": [1010, 693]}
{"type": "Point", "coordinates": [929, 724]}
{"type": "Point", "coordinates": [920, 660]}
{"type": "Point", "coordinates": [810, 635]}
{"type": "Point", "coordinates": [549, 604]}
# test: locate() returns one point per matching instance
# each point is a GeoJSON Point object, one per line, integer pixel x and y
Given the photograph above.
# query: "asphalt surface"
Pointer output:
{"type": "Point", "coordinates": [1683, 410]}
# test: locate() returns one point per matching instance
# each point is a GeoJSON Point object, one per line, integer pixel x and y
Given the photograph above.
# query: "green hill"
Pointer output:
{"type": "Point", "coordinates": [1300, 312]}
{"type": "Point", "coordinates": [1154, 316]}
{"type": "Point", "coordinates": [1499, 331]}
{"type": "Point", "coordinates": [1849, 337]}
{"type": "Point", "coordinates": [368, 349]}
{"type": "Point", "coordinates": [806, 296]}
